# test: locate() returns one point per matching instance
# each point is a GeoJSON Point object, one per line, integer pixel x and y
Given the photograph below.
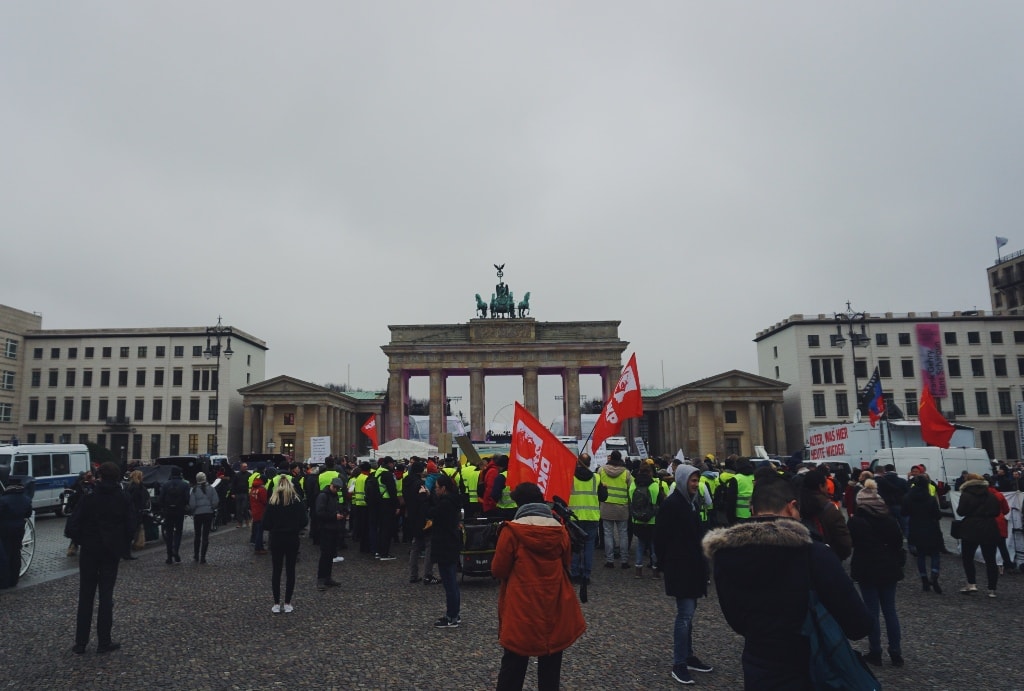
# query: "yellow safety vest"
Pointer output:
{"type": "Point", "coordinates": [359, 490]}
{"type": "Point", "coordinates": [710, 484]}
{"type": "Point", "coordinates": [617, 487]}
{"type": "Point", "coordinates": [385, 493]}
{"type": "Point", "coordinates": [324, 478]}
{"type": "Point", "coordinates": [583, 499]}
{"type": "Point", "coordinates": [472, 478]}
{"type": "Point", "coordinates": [744, 489]}
{"type": "Point", "coordinates": [506, 495]}
{"type": "Point", "coordinates": [654, 489]}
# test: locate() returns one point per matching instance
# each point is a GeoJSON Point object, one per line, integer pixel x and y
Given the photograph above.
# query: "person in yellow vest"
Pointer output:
{"type": "Point", "coordinates": [360, 515]}
{"type": "Point", "coordinates": [388, 508]}
{"type": "Point", "coordinates": [585, 501]}
{"type": "Point", "coordinates": [643, 528]}
{"type": "Point", "coordinates": [471, 476]}
{"type": "Point", "coordinates": [615, 510]}
{"type": "Point", "coordinates": [744, 488]}
{"type": "Point", "coordinates": [506, 505]}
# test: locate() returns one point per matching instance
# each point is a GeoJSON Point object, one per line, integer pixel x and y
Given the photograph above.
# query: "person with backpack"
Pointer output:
{"type": "Point", "coordinates": [821, 516]}
{"type": "Point", "coordinates": [173, 502]}
{"type": "Point", "coordinates": [615, 509]}
{"type": "Point", "coordinates": [764, 571]}
{"type": "Point", "coordinates": [645, 496]}
{"type": "Point", "coordinates": [202, 506]}
{"type": "Point", "coordinates": [585, 501]}
{"type": "Point", "coordinates": [240, 492]}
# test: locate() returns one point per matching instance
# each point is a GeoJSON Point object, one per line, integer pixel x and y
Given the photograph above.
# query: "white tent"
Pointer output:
{"type": "Point", "coordinates": [404, 448]}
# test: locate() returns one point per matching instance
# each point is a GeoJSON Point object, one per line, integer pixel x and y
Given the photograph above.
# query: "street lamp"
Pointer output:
{"type": "Point", "coordinates": [214, 334]}
{"type": "Point", "coordinates": [849, 318]}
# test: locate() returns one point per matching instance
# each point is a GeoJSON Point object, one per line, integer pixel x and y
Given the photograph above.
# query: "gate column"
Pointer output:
{"type": "Point", "coordinates": [477, 403]}
{"type": "Point", "coordinates": [530, 396]}
{"type": "Point", "coordinates": [438, 421]}
{"type": "Point", "coordinates": [571, 377]}
{"type": "Point", "coordinates": [396, 404]}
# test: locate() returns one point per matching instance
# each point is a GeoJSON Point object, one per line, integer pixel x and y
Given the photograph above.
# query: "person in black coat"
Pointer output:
{"type": "Point", "coordinates": [922, 509]}
{"type": "Point", "coordinates": [979, 509]}
{"type": "Point", "coordinates": [416, 498]}
{"type": "Point", "coordinates": [15, 507]}
{"type": "Point", "coordinates": [102, 524]}
{"type": "Point", "coordinates": [764, 570]}
{"type": "Point", "coordinates": [284, 518]}
{"type": "Point", "coordinates": [677, 536]}
{"type": "Point", "coordinates": [445, 545]}
{"type": "Point", "coordinates": [877, 566]}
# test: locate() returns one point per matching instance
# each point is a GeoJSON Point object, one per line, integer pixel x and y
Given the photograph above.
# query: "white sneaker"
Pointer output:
{"type": "Point", "coordinates": [991, 593]}
{"type": "Point", "coordinates": [338, 560]}
{"type": "Point", "coordinates": [969, 588]}
{"type": "Point", "coordinates": [288, 608]}
{"type": "Point", "coordinates": [276, 609]}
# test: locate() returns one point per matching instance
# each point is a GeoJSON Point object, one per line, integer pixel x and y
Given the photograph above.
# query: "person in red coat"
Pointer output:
{"type": "Point", "coordinates": [538, 613]}
{"type": "Point", "coordinates": [257, 505]}
{"type": "Point", "coordinates": [1004, 528]}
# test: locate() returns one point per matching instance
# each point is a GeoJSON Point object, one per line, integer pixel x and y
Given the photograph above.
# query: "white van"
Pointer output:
{"type": "Point", "coordinates": [942, 465]}
{"type": "Point", "coordinates": [55, 468]}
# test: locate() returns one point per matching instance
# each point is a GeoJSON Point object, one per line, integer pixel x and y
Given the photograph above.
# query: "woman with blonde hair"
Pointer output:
{"type": "Point", "coordinates": [284, 518]}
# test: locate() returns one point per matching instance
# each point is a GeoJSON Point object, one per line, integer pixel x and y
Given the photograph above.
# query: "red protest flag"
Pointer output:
{"type": "Point", "coordinates": [537, 456]}
{"type": "Point", "coordinates": [369, 428]}
{"type": "Point", "coordinates": [935, 428]}
{"type": "Point", "coordinates": [624, 403]}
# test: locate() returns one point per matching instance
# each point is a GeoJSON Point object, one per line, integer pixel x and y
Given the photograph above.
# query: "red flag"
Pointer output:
{"type": "Point", "coordinates": [625, 402]}
{"type": "Point", "coordinates": [537, 456]}
{"type": "Point", "coordinates": [935, 428]}
{"type": "Point", "coordinates": [369, 428]}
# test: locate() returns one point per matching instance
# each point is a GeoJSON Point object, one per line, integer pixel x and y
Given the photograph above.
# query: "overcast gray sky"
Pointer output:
{"type": "Point", "coordinates": [316, 171]}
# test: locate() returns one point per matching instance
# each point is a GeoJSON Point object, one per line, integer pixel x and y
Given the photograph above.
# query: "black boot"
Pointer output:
{"type": "Point", "coordinates": [935, 584]}
{"type": "Point", "coordinates": [925, 585]}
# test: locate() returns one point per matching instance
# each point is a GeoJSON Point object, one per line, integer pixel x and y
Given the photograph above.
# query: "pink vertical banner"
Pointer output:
{"type": "Point", "coordinates": [929, 347]}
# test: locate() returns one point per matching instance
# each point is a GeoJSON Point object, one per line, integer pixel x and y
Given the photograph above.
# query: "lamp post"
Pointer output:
{"type": "Point", "coordinates": [849, 318]}
{"type": "Point", "coordinates": [214, 335]}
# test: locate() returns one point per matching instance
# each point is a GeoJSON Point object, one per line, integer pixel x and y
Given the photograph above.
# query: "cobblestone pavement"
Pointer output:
{"type": "Point", "coordinates": [210, 627]}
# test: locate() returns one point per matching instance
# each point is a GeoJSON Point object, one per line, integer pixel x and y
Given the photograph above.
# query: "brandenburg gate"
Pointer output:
{"type": "Point", "coordinates": [498, 347]}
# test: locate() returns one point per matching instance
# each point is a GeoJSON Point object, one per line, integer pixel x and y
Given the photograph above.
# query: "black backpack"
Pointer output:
{"type": "Point", "coordinates": [641, 508]}
{"type": "Point", "coordinates": [724, 501]}
{"type": "Point", "coordinates": [177, 497]}
{"type": "Point", "coordinates": [371, 490]}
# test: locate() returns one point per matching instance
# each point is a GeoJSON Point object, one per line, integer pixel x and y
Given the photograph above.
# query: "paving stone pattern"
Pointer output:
{"type": "Point", "coordinates": [210, 627]}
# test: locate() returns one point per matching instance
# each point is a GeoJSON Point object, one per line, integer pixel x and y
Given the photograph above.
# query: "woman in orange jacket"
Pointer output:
{"type": "Point", "coordinates": [538, 613]}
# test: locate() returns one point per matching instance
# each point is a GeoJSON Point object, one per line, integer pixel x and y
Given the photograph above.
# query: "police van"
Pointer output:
{"type": "Point", "coordinates": [55, 468]}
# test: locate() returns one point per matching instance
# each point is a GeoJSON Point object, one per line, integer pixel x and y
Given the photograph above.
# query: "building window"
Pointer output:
{"type": "Point", "coordinates": [882, 339]}
{"type": "Point", "coordinates": [90, 352]}
{"type": "Point", "coordinates": [1020, 366]}
{"type": "Point", "coordinates": [953, 366]}
{"type": "Point", "coordinates": [248, 358]}
{"type": "Point", "coordinates": [122, 377]}
{"type": "Point", "coordinates": [124, 351]}
{"type": "Point", "coordinates": [55, 353]}
{"type": "Point", "coordinates": [69, 378]}
{"type": "Point", "coordinates": [136, 446]}
{"type": "Point", "coordinates": [37, 378]}
{"type": "Point", "coordinates": [7, 380]}
{"type": "Point", "coordinates": [819, 404]}
{"type": "Point", "coordinates": [910, 402]}
{"type": "Point", "coordinates": [48, 438]}
{"type": "Point", "coordinates": [105, 377]}
{"type": "Point", "coordinates": [195, 380]}
{"type": "Point", "coordinates": [31, 438]}
{"type": "Point", "coordinates": [33, 409]}
{"type": "Point", "coordinates": [158, 377]}
{"type": "Point", "coordinates": [981, 400]}
{"type": "Point", "coordinates": [69, 409]}
{"type": "Point", "coordinates": [1018, 337]}
{"type": "Point", "coordinates": [197, 351]}
{"type": "Point", "coordinates": [83, 438]}
{"type": "Point", "coordinates": [161, 351]}
{"type": "Point", "coordinates": [950, 337]}
{"type": "Point", "coordinates": [959, 406]}
{"type": "Point", "coordinates": [908, 368]}
{"type": "Point", "coordinates": [51, 408]}
{"type": "Point", "coordinates": [884, 369]}
{"type": "Point", "coordinates": [248, 376]}
{"type": "Point", "coordinates": [179, 351]}
{"type": "Point", "coordinates": [860, 369]}
{"type": "Point", "coordinates": [211, 413]}
{"type": "Point", "coordinates": [1005, 404]}
{"type": "Point", "coordinates": [142, 351]}
{"type": "Point", "coordinates": [974, 337]}
{"type": "Point", "coordinates": [775, 352]}
{"type": "Point", "coordinates": [140, 377]}
{"type": "Point", "coordinates": [977, 367]}
{"type": "Point", "coordinates": [813, 340]}
{"type": "Point", "coordinates": [37, 353]}
{"type": "Point", "coordinates": [174, 444]}
{"type": "Point", "coordinates": [154, 446]}
{"type": "Point", "coordinates": [107, 351]}
{"type": "Point", "coordinates": [177, 375]}
{"type": "Point", "coordinates": [175, 408]}
{"type": "Point", "coordinates": [206, 380]}
{"type": "Point", "coordinates": [999, 366]}
{"type": "Point", "coordinates": [85, 409]}
{"type": "Point", "coordinates": [72, 353]}
{"type": "Point", "coordinates": [5, 412]}
{"type": "Point", "coordinates": [52, 378]}
{"type": "Point", "coordinates": [827, 370]}
{"type": "Point", "coordinates": [776, 372]}
{"type": "Point", "coordinates": [101, 440]}
{"type": "Point", "coordinates": [842, 405]}
{"type": "Point", "coordinates": [87, 377]}
{"type": "Point", "coordinates": [289, 418]}
{"type": "Point", "coordinates": [996, 337]}
{"type": "Point", "coordinates": [1010, 443]}
{"type": "Point", "coordinates": [193, 409]}
{"type": "Point", "coordinates": [140, 406]}
{"type": "Point", "coordinates": [730, 417]}
{"type": "Point", "coordinates": [193, 443]}
{"type": "Point", "coordinates": [10, 349]}
{"type": "Point", "coordinates": [158, 409]}
{"type": "Point", "coordinates": [104, 409]}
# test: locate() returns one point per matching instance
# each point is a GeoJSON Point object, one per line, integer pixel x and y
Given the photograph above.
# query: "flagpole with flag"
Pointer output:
{"type": "Point", "coordinates": [624, 403]}
{"type": "Point", "coordinates": [1000, 241]}
{"type": "Point", "coordinates": [936, 430]}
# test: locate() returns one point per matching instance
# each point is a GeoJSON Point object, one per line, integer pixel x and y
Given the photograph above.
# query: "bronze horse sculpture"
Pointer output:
{"type": "Point", "coordinates": [524, 305]}
{"type": "Point", "coordinates": [481, 306]}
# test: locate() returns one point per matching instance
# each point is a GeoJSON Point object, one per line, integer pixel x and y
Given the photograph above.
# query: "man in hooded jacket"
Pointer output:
{"type": "Point", "coordinates": [677, 536]}
{"type": "Point", "coordinates": [584, 501]}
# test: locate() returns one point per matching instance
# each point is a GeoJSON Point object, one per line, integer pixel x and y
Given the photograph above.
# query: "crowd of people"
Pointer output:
{"type": "Point", "coordinates": [767, 535]}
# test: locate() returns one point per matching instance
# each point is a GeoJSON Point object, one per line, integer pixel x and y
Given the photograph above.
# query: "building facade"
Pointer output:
{"type": "Point", "coordinates": [982, 356]}
{"type": "Point", "coordinates": [142, 393]}
{"type": "Point", "coordinates": [1006, 284]}
{"type": "Point", "coordinates": [14, 324]}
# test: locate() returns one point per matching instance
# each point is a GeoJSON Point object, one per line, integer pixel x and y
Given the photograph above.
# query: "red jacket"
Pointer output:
{"type": "Point", "coordinates": [1004, 509]}
{"type": "Point", "coordinates": [490, 473]}
{"type": "Point", "coordinates": [538, 612]}
{"type": "Point", "coordinates": [257, 500]}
